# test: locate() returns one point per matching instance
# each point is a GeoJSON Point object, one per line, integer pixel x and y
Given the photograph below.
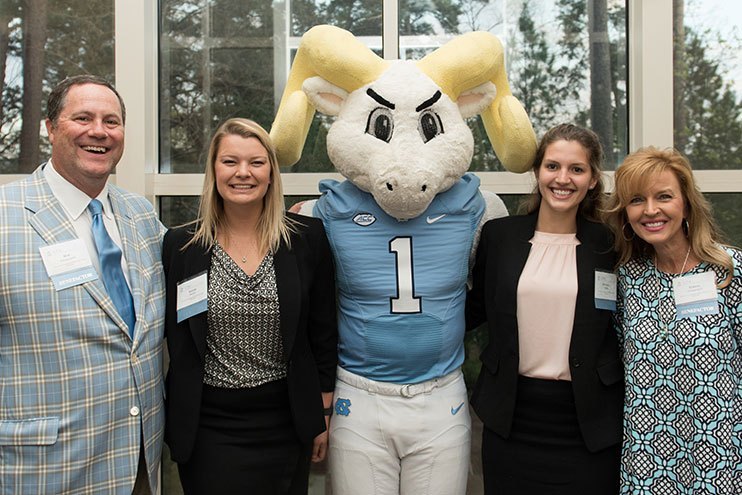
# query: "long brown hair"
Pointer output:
{"type": "Point", "coordinates": [637, 171]}
{"type": "Point", "coordinates": [592, 203]}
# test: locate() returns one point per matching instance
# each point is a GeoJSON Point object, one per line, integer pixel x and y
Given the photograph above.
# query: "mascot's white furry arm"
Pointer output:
{"type": "Point", "coordinates": [404, 224]}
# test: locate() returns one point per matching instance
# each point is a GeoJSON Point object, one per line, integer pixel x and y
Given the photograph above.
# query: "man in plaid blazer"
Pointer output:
{"type": "Point", "coordinates": [81, 393]}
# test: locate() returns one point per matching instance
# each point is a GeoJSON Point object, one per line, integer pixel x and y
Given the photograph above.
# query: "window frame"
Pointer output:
{"type": "Point", "coordinates": [650, 105]}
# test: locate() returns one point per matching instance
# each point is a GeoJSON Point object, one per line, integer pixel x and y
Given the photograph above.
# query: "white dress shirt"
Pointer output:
{"type": "Point", "coordinates": [75, 204]}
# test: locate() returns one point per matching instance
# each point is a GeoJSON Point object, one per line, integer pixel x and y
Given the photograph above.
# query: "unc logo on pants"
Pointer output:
{"type": "Point", "coordinates": [342, 407]}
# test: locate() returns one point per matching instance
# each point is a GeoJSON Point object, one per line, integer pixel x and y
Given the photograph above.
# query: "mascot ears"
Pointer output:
{"type": "Point", "coordinates": [475, 100]}
{"type": "Point", "coordinates": [324, 96]}
{"type": "Point", "coordinates": [329, 98]}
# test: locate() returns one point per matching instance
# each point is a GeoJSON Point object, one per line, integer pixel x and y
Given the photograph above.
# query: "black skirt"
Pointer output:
{"type": "Point", "coordinates": [246, 444]}
{"type": "Point", "coordinates": [545, 453]}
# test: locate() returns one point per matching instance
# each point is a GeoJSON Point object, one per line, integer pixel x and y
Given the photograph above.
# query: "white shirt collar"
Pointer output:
{"type": "Point", "coordinates": [73, 200]}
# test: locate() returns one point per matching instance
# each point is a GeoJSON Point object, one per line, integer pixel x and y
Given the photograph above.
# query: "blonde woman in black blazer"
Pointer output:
{"type": "Point", "coordinates": [248, 401]}
{"type": "Point", "coordinates": [556, 432]}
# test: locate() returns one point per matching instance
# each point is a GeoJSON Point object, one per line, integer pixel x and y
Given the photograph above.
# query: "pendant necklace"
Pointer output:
{"type": "Point", "coordinates": [242, 258]}
{"type": "Point", "coordinates": [665, 324]}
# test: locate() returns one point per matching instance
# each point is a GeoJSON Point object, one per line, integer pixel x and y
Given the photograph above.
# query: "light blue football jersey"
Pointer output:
{"type": "Point", "coordinates": [401, 284]}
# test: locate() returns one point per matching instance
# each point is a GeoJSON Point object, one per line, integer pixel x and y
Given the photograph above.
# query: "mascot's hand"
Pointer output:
{"type": "Point", "coordinates": [303, 207]}
{"type": "Point", "coordinates": [495, 207]}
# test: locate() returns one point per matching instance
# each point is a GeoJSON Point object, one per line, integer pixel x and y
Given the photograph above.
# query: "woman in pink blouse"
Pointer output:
{"type": "Point", "coordinates": [550, 390]}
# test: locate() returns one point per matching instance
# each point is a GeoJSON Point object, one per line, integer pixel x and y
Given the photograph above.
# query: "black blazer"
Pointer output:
{"type": "Point", "coordinates": [305, 279]}
{"type": "Point", "coordinates": [595, 365]}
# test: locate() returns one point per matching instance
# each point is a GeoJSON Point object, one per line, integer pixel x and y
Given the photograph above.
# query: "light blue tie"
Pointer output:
{"type": "Point", "coordinates": [109, 256]}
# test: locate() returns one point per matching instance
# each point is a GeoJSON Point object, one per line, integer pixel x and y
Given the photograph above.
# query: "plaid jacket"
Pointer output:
{"type": "Point", "coordinates": [76, 393]}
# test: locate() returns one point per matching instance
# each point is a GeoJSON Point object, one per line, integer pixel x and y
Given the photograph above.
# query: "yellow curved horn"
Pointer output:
{"type": "Point", "coordinates": [333, 54]}
{"type": "Point", "coordinates": [470, 60]}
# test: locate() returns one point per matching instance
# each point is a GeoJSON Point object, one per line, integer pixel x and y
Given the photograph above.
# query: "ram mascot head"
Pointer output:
{"type": "Point", "coordinates": [399, 132]}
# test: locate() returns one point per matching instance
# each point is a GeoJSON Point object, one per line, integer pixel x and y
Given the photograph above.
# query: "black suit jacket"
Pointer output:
{"type": "Point", "coordinates": [305, 279]}
{"type": "Point", "coordinates": [595, 365]}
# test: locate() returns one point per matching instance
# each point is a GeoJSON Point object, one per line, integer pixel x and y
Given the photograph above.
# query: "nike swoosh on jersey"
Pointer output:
{"type": "Point", "coordinates": [456, 409]}
{"type": "Point", "coordinates": [434, 219]}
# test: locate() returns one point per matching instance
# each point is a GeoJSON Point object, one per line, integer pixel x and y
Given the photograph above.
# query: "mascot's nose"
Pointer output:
{"type": "Point", "coordinates": [404, 195]}
{"type": "Point", "coordinates": [391, 185]}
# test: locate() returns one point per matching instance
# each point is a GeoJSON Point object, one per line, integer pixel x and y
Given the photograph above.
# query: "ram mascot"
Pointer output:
{"type": "Point", "coordinates": [402, 228]}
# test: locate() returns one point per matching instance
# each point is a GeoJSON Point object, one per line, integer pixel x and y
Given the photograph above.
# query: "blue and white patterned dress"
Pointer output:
{"type": "Point", "coordinates": [683, 405]}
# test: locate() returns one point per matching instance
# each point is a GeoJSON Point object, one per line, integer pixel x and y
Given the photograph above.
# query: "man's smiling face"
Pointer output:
{"type": "Point", "coordinates": [88, 137]}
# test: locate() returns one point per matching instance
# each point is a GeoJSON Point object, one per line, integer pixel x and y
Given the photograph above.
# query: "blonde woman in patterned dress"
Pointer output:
{"type": "Point", "coordinates": [251, 328]}
{"type": "Point", "coordinates": [680, 321]}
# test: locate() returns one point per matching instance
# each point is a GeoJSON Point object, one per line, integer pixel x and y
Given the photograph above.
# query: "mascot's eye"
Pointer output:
{"type": "Point", "coordinates": [430, 125]}
{"type": "Point", "coordinates": [380, 124]}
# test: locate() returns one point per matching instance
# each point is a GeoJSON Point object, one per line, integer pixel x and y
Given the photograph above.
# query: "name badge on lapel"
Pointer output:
{"type": "Point", "coordinates": [695, 295]}
{"type": "Point", "coordinates": [68, 264]}
{"type": "Point", "coordinates": [605, 290]}
{"type": "Point", "coordinates": [192, 296]}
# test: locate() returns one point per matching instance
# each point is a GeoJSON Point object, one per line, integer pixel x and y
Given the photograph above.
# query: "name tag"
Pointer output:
{"type": "Point", "coordinates": [68, 264]}
{"type": "Point", "coordinates": [605, 290]}
{"type": "Point", "coordinates": [192, 296]}
{"type": "Point", "coordinates": [695, 295]}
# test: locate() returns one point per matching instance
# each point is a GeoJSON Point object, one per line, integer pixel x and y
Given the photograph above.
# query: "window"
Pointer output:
{"type": "Point", "coordinates": [41, 43]}
{"type": "Point", "coordinates": [224, 58]}
{"type": "Point", "coordinates": [707, 110]}
{"type": "Point", "coordinates": [566, 61]}
{"type": "Point", "coordinates": [707, 104]}
{"type": "Point", "coordinates": [216, 62]}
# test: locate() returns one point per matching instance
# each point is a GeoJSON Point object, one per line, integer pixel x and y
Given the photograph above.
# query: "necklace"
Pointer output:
{"type": "Point", "coordinates": [685, 261]}
{"type": "Point", "coordinates": [242, 258]}
{"type": "Point", "coordinates": [665, 324]}
{"type": "Point", "coordinates": [246, 250]}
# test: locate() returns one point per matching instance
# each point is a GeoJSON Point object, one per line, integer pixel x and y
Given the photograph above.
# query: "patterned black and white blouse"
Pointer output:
{"type": "Point", "coordinates": [244, 342]}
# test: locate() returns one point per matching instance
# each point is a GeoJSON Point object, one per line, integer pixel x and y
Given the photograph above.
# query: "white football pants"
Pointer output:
{"type": "Point", "coordinates": [389, 439]}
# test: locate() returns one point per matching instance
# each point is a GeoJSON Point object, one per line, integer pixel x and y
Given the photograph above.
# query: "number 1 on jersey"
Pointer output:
{"type": "Point", "coordinates": [405, 302]}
